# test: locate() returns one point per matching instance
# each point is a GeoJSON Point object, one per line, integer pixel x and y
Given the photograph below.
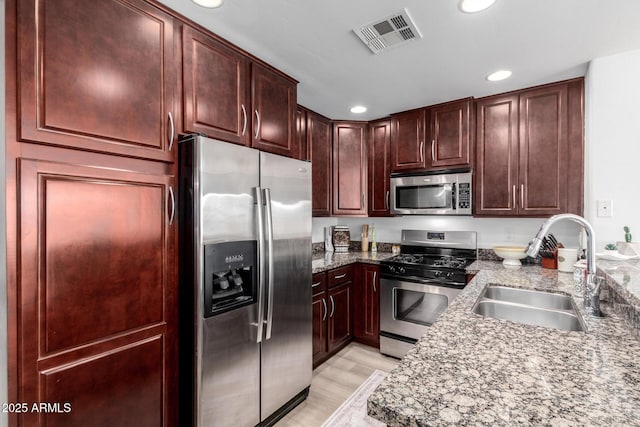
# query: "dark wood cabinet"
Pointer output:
{"type": "Point", "coordinates": [437, 137]}
{"type": "Point", "coordinates": [318, 142]}
{"type": "Point", "coordinates": [379, 168]}
{"type": "Point", "coordinates": [449, 144]}
{"type": "Point", "coordinates": [496, 173]}
{"type": "Point", "coordinates": [97, 302]}
{"type": "Point", "coordinates": [320, 315]}
{"type": "Point", "coordinates": [274, 104]}
{"type": "Point", "coordinates": [229, 97]}
{"type": "Point", "coordinates": [407, 141]}
{"type": "Point", "coordinates": [543, 151]}
{"type": "Point", "coordinates": [332, 312]}
{"type": "Point", "coordinates": [339, 317]}
{"type": "Point", "coordinates": [529, 152]}
{"type": "Point", "coordinates": [215, 88]}
{"type": "Point", "coordinates": [349, 168]}
{"type": "Point", "coordinates": [366, 305]}
{"type": "Point", "coordinates": [98, 77]}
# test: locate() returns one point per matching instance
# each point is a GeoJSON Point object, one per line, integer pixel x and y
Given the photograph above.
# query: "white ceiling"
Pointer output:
{"type": "Point", "coordinates": [541, 41]}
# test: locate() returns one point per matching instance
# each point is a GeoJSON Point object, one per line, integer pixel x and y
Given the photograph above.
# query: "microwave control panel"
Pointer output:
{"type": "Point", "coordinates": [464, 195]}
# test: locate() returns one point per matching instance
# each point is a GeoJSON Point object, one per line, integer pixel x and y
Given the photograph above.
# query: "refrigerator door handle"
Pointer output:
{"type": "Point", "coordinates": [269, 229]}
{"type": "Point", "coordinates": [261, 262]}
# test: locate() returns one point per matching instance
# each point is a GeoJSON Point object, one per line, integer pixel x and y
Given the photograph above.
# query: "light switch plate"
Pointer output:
{"type": "Point", "coordinates": [605, 208]}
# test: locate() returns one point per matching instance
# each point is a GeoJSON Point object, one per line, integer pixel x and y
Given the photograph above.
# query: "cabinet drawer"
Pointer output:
{"type": "Point", "coordinates": [318, 283]}
{"type": "Point", "coordinates": [339, 276]}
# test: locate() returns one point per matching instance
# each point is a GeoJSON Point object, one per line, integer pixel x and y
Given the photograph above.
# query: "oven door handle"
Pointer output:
{"type": "Point", "coordinates": [434, 282]}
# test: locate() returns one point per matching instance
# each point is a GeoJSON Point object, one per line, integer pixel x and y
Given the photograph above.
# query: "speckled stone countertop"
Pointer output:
{"type": "Point", "coordinates": [329, 260]}
{"type": "Point", "coordinates": [471, 370]}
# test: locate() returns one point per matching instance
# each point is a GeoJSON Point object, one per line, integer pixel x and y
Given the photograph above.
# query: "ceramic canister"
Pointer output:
{"type": "Point", "coordinates": [567, 257]}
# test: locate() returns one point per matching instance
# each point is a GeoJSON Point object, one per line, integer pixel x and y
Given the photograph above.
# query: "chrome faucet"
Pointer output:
{"type": "Point", "coordinates": [591, 289]}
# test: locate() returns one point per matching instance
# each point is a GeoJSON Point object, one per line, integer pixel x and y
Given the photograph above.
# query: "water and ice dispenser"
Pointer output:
{"type": "Point", "coordinates": [230, 276]}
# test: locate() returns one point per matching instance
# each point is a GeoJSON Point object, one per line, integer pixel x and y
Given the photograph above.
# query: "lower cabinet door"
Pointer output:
{"type": "Point", "coordinates": [367, 306]}
{"type": "Point", "coordinates": [339, 315]}
{"type": "Point", "coordinates": [96, 323]}
{"type": "Point", "coordinates": [320, 312]}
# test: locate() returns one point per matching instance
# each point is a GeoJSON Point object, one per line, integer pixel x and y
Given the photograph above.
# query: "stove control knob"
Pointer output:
{"type": "Point", "coordinates": [401, 270]}
{"type": "Point", "coordinates": [437, 273]}
{"type": "Point", "coordinates": [392, 268]}
{"type": "Point", "coordinates": [449, 275]}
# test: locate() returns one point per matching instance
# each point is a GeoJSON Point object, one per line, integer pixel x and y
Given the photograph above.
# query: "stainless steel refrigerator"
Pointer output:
{"type": "Point", "coordinates": [245, 284]}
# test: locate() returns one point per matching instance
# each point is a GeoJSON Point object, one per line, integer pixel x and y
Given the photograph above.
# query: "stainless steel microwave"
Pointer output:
{"type": "Point", "coordinates": [431, 193]}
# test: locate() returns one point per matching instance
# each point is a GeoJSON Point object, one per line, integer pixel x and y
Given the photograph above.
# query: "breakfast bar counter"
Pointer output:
{"type": "Point", "coordinates": [474, 370]}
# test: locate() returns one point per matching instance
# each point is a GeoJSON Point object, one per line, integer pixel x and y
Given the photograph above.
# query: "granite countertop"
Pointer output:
{"type": "Point", "coordinates": [328, 260]}
{"type": "Point", "coordinates": [468, 369]}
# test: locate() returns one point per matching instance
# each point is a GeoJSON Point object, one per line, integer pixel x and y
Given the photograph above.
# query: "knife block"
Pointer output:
{"type": "Point", "coordinates": [551, 263]}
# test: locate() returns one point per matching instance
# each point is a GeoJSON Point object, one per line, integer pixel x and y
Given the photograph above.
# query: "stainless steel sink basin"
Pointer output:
{"type": "Point", "coordinates": [529, 307]}
{"type": "Point", "coordinates": [531, 298]}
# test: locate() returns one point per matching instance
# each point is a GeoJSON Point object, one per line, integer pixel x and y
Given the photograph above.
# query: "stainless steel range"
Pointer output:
{"type": "Point", "coordinates": [420, 283]}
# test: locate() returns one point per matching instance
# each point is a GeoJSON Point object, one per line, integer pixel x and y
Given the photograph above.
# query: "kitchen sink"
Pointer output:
{"type": "Point", "coordinates": [544, 300]}
{"type": "Point", "coordinates": [530, 307]}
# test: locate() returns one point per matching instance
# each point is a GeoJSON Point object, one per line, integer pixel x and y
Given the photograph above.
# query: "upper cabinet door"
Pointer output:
{"type": "Point", "coordinates": [215, 88]}
{"type": "Point", "coordinates": [379, 167]}
{"type": "Point", "coordinates": [98, 76]}
{"type": "Point", "coordinates": [450, 142]}
{"type": "Point", "coordinates": [318, 131]}
{"type": "Point", "coordinates": [349, 168]}
{"type": "Point", "coordinates": [274, 100]}
{"type": "Point", "coordinates": [407, 141]}
{"type": "Point", "coordinates": [496, 183]}
{"type": "Point", "coordinates": [543, 151]}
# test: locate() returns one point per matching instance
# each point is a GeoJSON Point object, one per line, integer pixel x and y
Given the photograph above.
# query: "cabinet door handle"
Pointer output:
{"type": "Point", "coordinates": [173, 205]}
{"type": "Point", "coordinates": [522, 196]}
{"type": "Point", "coordinates": [362, 200]}
{"type": "Point", "coordinates": [375, 273]}
{"type": "Point", "coordinates": [324, 303]}
{"type": "Point", "coordinates": [244, 122]}
{"type": "Point", "coordinates": [421, 151]}
{"type": "Point", "coordinates": [433, 150]}
{"type": "Point", "coordinates": [386, 201]}
{"type": "Point", "coordinates": [257, 124]}
{"type": "Point", "coordinates": [173, 131]}
{"type": "Point", "coordinates": [316, 284]}
{"type": "Point", "coordinates": [333, 305]}
{"type": "Point", "coordinates": [514, 196]}
{"type": "Point", "coordinates": [341, 276]}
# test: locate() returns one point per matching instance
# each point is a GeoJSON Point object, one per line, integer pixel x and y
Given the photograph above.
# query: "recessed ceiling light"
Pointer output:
{"type": "Point", "coordinates": [209, 3]}
{"type": "Point", "coordinates": [473, 6]}
{"type": "Point", "coordinates": [358, 109]}
{"type": "Point", "coordinates": [499, 75]}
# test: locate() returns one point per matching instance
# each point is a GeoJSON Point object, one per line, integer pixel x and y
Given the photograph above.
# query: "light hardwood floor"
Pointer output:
{"type": "Point", "coordinates": [334, 381]}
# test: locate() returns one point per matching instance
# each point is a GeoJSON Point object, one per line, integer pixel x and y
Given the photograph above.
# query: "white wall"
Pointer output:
{"type": "Point", "coordinates": [612, 141]}
{"type": "Point", "coordinates": [3, 237]}
{"type": "Point", "coordinates": [491, 231]}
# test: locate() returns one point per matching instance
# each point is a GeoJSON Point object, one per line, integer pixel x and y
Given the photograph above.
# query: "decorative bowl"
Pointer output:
{"type": "Point", "coordinates": [511, 255]}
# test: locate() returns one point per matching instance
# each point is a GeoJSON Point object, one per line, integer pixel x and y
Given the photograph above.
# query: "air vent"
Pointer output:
{"type": "Point", "coordinates": [393, 30]}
